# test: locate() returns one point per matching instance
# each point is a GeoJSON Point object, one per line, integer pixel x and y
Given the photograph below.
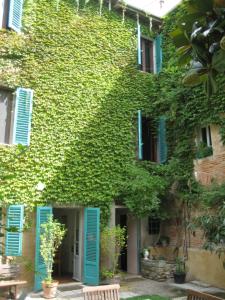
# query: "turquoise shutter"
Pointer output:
{"type": "Point", "coordinates": [140, 144]}
{"type": "Point", "coordinates": [22, 122]}
{"type": "Point", "coordinates": [158, 53]}
{"type": "Point", "coordinates": [43, 214]}
{"type": "Point", "coordinates": [162, 146]}
{"type": "Point", "coordinates": [139, 45]}
{"type": "Point", "coordinates": [15, 14]}
{"type": "Point", "coordinates": [91, 245]}
{"type": "Point", "coordinates": [14, 232]}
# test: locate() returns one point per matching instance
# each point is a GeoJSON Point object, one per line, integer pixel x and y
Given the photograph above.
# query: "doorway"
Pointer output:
{"type": "Point", "coordinates": [67, 263]}
{"type": "Point", "coordinates": [121, 220]}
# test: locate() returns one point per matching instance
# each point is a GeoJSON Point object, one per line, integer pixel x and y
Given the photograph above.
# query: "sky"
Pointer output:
{"type": "Point", "coordinates": [153, 6]}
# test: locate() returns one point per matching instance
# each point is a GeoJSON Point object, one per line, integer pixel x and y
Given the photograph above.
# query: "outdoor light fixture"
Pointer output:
{"type": "Point", "coordinates": [40, 186]}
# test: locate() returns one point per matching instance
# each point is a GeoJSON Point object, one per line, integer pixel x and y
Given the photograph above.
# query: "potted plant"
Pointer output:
{"type": "Point", "coordinates": [180, 273]}
{"type": "Point", "coordinates": [113, 240]}
{"type": "Point", "coordinates": [52, 234]}
{"type": "Point", "coordinates": [145, 253]}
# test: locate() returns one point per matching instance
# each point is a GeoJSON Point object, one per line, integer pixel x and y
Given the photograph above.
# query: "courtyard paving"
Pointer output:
{"type": "Point", "coordinates": [134, 287]}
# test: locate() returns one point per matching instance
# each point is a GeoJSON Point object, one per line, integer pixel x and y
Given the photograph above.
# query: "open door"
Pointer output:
{"type": "Point", "coordinates": [43, 212]}
{"type": "Point", "coordinates": [91, 245]}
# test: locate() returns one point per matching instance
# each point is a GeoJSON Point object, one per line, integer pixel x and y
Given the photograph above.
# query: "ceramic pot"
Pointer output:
{"type": "Point", "coordinates": [50, 289]}
{"type": "Point", "coordinates": [146, 254]}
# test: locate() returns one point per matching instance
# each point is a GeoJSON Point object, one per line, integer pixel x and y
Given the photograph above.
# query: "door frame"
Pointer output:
{"type": "Point", "coordinates": [81, 231]}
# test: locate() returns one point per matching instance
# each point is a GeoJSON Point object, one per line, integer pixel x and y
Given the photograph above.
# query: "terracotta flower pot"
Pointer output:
{"type": "Point", "coordinates": [50, 289]}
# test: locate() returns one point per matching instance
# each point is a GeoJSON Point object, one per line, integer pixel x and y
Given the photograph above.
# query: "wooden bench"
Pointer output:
{"type": "Point", "coordinates": [8, 274]}
{"type": "Point", "coordinates": [194, 295]}
{"type": "Point", "coordinates": [102, 292]}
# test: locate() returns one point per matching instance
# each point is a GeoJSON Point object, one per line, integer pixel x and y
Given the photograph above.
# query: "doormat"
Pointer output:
{"type": "Point", "coordinates": [70, 287]}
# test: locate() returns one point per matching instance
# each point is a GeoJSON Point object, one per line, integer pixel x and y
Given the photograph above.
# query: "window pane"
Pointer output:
{"type": "Point", "coordinates": [5, 116]}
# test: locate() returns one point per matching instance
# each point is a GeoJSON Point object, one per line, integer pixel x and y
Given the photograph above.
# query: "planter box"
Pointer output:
{"type": "Point", "coordinates": [159, 270]}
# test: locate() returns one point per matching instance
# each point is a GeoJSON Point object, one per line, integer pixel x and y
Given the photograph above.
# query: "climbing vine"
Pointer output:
{"type": "Point", "coordinates": [87, 90]}
{"type": "Point", "coordinates": [87, 87]}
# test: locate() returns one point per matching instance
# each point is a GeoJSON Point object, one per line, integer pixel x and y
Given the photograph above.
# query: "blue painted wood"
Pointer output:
{"type": "Point", "coordinates": [162, 145]}
{"type": "Point", "coordinates": [15, 14]}
{"type": "Point", "coordinates": [91, 245]}
{"type": "Point", "coordinates": [139, 44]}
{"type": "Point", "coordinates": [23, 111]}
{"type": "Point", "coordinates": [140, 143]}
{"type": "Point", "coordinates": [43, 213]}
{"type": "Point", "coordinates": [14, 233]}
{"type": "Point", "coordinates": [158, 53]}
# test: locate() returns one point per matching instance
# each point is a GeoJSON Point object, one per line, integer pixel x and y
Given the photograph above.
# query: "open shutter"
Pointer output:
{"type": "Point", "coordinates": [140, 143]}
{"type": "Point", "coordinates": [162, 146]}
{"type": "Point", "coordinates": [43, 214]}
{"type": "Point", "coordinates": [22, 122]}
{"type": "Point", "coordinates": [91, 245]}
{"type": "Point", "coordinates": [15, 14]}
{"type": "Point", "coordinates": [158, 53]}
{"type": "Point", "coordinates": [14, 234]}
{"type": "Point", "coordinates": [139, 45]}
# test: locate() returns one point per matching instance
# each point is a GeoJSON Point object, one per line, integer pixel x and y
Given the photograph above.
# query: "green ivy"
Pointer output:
{"type": "Point", "coordinates": [87, 90]}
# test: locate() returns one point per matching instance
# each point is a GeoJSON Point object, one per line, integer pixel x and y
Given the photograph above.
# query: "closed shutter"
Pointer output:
{"type": "Point", "coordinates": [43, 214]}
{"type": "Point", "coordinates": [140, 143]}
{"type": "Point", "coordinates": [14, 234]}
{"type": "Point", "coordinates": [158, 53]}
{"type": "Point", "coordinates": [162, 145]}
{"type": "Point", "coordinates": [91, 245]}
{"type": "Point", "coordinates": [139, 45]}
{"type": "Point", "coordinates": [1, 233]}
{"type": "Point", "coordinates": [15, 14]}
{"type": "Point", "coordinates": [22, 121]}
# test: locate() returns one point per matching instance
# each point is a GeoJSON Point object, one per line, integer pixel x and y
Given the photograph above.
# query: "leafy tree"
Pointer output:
{"type": "Point", "coordinates": [200, 41]}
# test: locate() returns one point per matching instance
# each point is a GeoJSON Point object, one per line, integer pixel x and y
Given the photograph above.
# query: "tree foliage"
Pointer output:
{"type": "Point", "coordinates": [200, 39]}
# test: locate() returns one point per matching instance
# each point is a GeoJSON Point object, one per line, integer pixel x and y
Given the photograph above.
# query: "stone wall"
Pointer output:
{"type": "Point", "coordinates": [159, 270]}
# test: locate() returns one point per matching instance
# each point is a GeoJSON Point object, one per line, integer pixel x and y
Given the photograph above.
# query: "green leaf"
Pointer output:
{"type": "Point", "coordinates": [200, 6]}
{"type": "Point", "coordinates": [179, 37]}
{"type": "Point", "coordinates": [218, 61]}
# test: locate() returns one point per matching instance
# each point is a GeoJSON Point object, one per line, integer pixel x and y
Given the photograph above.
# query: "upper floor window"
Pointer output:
{"type": "Point", "coordinates": [152, 144]}
{"type": "Point", "coordinates": [147, 55]}
{"type": "Point", "coordinates": [11, 14]}
{"type": "Point", "coordinates": [15, 116]}
{"type": "Point", "coordinates": [6, 116]}
{"type": "Point", "coordinates": [204, 142]}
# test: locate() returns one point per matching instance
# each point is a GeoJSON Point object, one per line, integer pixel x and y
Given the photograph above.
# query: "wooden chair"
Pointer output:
{"type": "Point", "coordinates": [194, 295]}
{"type": "Point", "coordinates": [102, 292]}
{"type": "Point", "coordinates": [8, 274]}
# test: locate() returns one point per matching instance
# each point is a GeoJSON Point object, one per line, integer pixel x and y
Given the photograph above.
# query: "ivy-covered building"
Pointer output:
{"type": "Point", "coordinates": [75, 88]}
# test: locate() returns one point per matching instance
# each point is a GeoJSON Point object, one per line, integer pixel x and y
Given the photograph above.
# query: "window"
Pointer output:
{"type": "Point", "coordinates": [204, 142]}
{"type": "Point", "coordinates": [153, 226]}
{"type": "Point", "coordinates": [147, 55]}
{"type": "Point", "coordinates": [206, 136]}
{"type": "Point", "coordinates": [11, 14]}
{"type": "Point", "coordinates": [7, 105]}
{"type": "Point", "coordinates": [4, 12]}
{"type": "Point", "coordinates": [152, 144]}
{"type": "Point", "coordinates": [149, 140]}
{"type": "Point", "coordinates": [15, 116]}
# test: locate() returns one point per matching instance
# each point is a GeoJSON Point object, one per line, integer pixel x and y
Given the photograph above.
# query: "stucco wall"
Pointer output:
{"type": "Point", "coordinates": [201, 265]}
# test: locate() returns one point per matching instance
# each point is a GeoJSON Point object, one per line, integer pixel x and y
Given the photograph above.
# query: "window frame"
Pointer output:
{"type": "Point", "coordinates": [11, 127]}
{"type": "Point", "coordinates": [152, 58]}
{"type": "Point", "coordinates": [199, 139]}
